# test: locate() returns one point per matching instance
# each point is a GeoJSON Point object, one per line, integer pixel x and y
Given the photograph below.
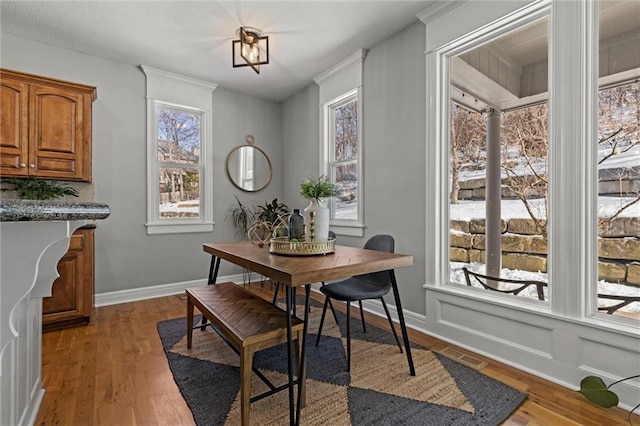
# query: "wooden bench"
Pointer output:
{"type": "Point", "coordinates": [248, 324]}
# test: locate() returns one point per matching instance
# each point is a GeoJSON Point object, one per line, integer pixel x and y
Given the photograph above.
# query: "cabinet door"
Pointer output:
{"type": "Point", "coordinates": [71, 300]}
{"type": "Point", "coordinates": [66, 293]}
{"type": "Point", "coordinates": [14, 98]}
{"type": "Point", "coordinates": [58, 137]}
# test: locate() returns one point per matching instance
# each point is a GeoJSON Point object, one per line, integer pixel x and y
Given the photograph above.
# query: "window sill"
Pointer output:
{"type": "Point", "coordinates": [610, 323]}
{"type": "Point", "coordinates": [348, 230]}
{"type": "Point", "coordinates": [178, 228]}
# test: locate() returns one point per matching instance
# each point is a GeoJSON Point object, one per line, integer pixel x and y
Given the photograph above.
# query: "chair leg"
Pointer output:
{"type": "Point", "coordinates": [335, 317]}
{"type": "Point", "coordinates": [393, 329]}
{"type": "Point", "coordinates": [364, 325]}
{"type": "Point", "coordinates": [275, 294]}
{"type": "Point", "coordinates": [324, 311]}
{"type": "Point", "coordinates": [348, 336]}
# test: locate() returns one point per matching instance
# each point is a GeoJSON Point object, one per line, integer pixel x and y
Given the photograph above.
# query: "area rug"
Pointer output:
{"type": "Point", "coordinates": [378, 390]}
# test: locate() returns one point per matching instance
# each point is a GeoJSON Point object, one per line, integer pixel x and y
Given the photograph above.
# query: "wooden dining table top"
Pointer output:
{"type": "Point", "coordinates": [297, 271]}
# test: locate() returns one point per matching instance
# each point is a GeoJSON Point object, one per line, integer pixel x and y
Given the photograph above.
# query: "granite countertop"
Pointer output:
{"type": "Point", "coordinates": [48, 210]}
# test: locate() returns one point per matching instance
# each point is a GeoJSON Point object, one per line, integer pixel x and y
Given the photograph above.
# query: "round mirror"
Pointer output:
{"type": "Point", "coordinates": [249, 168]}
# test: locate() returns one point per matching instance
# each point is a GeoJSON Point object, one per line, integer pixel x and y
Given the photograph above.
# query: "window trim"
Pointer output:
{"type": "Point", "coordinates": [438, 128]}
{"type": "Point", "coordinates": [180, 92]}
{"type": "Point", "coordinates": [338, 84]}
{"type": "Point", "coordinates": [573, 45]}
{"type": "Point", "coordinates": [343, 226]}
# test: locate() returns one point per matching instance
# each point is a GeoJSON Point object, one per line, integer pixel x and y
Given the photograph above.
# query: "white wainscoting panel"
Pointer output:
{"type": "Point", "coordinates": [491, 326]}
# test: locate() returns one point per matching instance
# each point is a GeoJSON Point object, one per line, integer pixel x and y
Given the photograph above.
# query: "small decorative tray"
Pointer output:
{"type": "Point", "coordinates": [282, 245]}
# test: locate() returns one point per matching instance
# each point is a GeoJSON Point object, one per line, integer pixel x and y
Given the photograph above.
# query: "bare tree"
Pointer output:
{"type": "Point", "coordinates": [525, 151]}
{"type": "Point", "coordinates": [346, 131]}
{"type": "Point", "coordinates": [525, 146]}
{"type": "Point", "coordinates": [178, 144]}
{"type": "Point", "coordinates": [468, 133]}
{"type": "Point", "coordinates": [178, 134]}
{"type": "Point", "coordinates": [618, 135]}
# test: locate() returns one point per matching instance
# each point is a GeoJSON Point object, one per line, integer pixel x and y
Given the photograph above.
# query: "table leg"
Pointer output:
{"type": "Point", "coordinates": [213, 276]}
{"type": "Point", "coordinates": [213, 270]}
{"type": "Point", "coordinates": [293, 421]}
{"type": "Point", "coordinates": [189, 321]}
{"type": "Point", "coordinates": [302, 375]}
{"type": "Point", "coordinates": [403, 327]}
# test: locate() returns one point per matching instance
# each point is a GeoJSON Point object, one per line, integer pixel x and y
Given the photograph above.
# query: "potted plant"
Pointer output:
{"type": "Point", "coordinates": [242, 218]}
{"type": "Point", "coordinates": [317, 212]}
{"type": "Point", "coordinates": [32, 188]}
{"type": "Point", "coordinates": [318, 189]}
{"type": "Point", "coordinates": [271, 212]}
{"type": "Point", "coordinates": [273, 218]}
{"type": "Point", "coordinates": [594, 389]}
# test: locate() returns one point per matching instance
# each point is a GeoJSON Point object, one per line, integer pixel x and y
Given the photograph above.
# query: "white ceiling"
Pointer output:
{"type": "Point", "coordinates": [193, 38]}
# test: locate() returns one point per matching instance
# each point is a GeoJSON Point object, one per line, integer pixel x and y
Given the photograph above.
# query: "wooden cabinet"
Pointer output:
{"type": "Point", "coordinates": [71, 301]}
{"type": "Point", "coordinates": [45, 127]}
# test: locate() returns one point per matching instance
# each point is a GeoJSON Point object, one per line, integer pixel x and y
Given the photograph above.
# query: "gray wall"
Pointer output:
{"type": "Point", "coordinates": [394, 150]}
{"type": "Point", "coordinates": [300, 149]}
{"type": "Point", "coordinates": [126, 257]}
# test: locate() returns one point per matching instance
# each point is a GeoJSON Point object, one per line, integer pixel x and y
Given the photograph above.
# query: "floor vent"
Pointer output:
{"type": "Point", "coordinates": [465, 359]}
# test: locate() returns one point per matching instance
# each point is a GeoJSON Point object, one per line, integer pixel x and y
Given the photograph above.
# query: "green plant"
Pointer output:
{"type": "Point", "coordinates": [32, 188]}
{"type": "Point", "coordinates": [271, 211]}
{"type": "Point", "coordinates": [320, 188]}
{"type": "Point", "coordinates": [242, 218]}
{"type": "Point", "coordinates": [595, 390]}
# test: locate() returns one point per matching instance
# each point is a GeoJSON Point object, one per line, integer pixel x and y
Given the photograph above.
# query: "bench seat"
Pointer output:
{"type": "Point", "coordinates": [248, 322]}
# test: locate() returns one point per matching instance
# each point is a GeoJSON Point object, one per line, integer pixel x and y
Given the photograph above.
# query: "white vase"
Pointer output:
{"type": "Point", "coordinates": [320, 221]}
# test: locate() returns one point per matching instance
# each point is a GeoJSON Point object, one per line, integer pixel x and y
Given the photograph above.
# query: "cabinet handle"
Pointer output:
{"type": "Point", "coordinates": [22, 166]}
{"type": "Point", "coordinates": [33, 166]}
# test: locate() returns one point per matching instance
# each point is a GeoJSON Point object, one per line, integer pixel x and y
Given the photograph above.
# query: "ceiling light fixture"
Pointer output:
{"type": "Point", "coordinates": [252, 47]}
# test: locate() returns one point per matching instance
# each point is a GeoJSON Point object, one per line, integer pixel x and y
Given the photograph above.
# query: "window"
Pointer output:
{"type": "Point", "coordinates": [618, 161]}
{"type": "Point", "coordinates": [498, 160]}
{"type": "Point", "coordinates": [341, 142]}
{"type": "Point", "coordinates": [619, 200]}
{"type": "Point", "coordinates": [584, 238]}
{"type": "Point", "coordinates": [178, 146]}
{"type": "Point", "coordinates": [178, 142]}
{"type": "Point", "coordinates": [344, 159]}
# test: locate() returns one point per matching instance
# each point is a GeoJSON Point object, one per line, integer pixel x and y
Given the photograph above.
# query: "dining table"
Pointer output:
{"type": "Point", "coordinates": [293, 271]}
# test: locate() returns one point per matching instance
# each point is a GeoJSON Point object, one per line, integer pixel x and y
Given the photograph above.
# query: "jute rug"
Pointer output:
{"type": "Point", "coordinates": [378, 391]}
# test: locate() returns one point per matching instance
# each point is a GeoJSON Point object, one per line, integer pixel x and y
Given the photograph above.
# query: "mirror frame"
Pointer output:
{"type": "Point", "coordinates": [228, 162]}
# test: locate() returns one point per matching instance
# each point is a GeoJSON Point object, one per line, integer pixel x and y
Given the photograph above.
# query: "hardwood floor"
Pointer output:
{"type": "Point", "coordinates": [114, 372]}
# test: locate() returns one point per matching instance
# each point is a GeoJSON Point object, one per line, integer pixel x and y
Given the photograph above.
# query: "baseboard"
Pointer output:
{"type": "Point", "coordinates": [151, 292]}
{"type": "Point", "coordinates": [37, 394]}
{"type": "Point", "coordinates": [411, 319]}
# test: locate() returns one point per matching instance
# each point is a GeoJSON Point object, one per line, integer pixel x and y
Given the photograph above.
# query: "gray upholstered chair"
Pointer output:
{"type": "Point", "coordinates": [362, 287]}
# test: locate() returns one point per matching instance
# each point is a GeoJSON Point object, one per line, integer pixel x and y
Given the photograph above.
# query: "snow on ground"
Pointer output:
{"type": "Point", "coordinates": [457, 276]}
{"type": "Point", "coordinates": [470, 209]}
{"type": "Point", "coordinates": [467, 210]}
{"type": "Point", "coordinates": [191, 206]}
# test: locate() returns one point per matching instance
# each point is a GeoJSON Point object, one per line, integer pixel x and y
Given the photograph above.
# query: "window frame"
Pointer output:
{"type": "Point", "coordinates": [181, 93]}
{"type": "Point", "coordinates": [573, 118]}
{"type": "Point", "coordinates": [167, 164]}
{"type": "Point", "coordinates": [438, 153]}
{"type": "Point", "coordinates": [331, 163]}
{"type": "Point", "coordinates": [337, 85]}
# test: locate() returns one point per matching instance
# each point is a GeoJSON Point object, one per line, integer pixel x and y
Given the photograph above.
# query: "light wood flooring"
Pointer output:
{"type": "Point", "coordinates": [114, 372]}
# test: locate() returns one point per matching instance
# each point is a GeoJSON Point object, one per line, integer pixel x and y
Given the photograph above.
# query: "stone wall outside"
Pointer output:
{"type": "Point", "coordinates": [524, 247]}
{"type": "Point", "coordinates": [614, 182]}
